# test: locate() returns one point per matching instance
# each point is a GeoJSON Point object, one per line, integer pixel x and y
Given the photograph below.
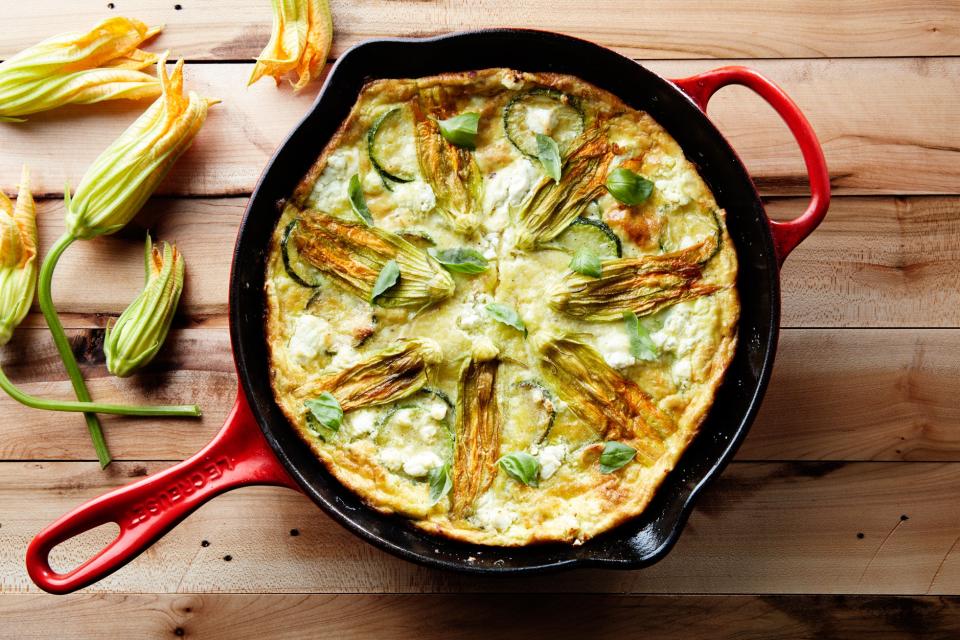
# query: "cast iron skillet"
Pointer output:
{"type": "Point", "coordinates": [257, 445]}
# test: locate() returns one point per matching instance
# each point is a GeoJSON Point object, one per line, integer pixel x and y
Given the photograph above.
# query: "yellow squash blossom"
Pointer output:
{"type": "Point", "coordinates": [300, 42]}
{"type": "Point", "coordinates": [18, 257]}
{"type": "Point", "coordinates": [142, 328]}
{"type": "Point", "coordinates": [121, 180]}
{"type": "Point", "coordinates": [79, 68]}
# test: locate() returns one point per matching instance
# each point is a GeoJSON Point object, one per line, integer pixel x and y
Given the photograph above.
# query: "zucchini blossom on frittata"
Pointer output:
{"type": "Point", "coordinates": [79, 68]}
{"type": "Point", "coordinates": [121, 180]}
{"type": "Point", "coordinates": [142, 328]}
{"type": "Point", "coordinates": [18, 257]}
{"type": "Point", "coordinates": [300, 41]}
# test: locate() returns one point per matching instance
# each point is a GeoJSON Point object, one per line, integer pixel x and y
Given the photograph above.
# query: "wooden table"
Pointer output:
{"type": "Point", "coordinates": [840, 515]}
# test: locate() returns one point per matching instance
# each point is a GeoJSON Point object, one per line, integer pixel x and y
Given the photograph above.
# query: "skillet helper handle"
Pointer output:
{"type": "Point", "coordinates": [786, 235]}
{"type": "Point", "coordinates": [146, 510]}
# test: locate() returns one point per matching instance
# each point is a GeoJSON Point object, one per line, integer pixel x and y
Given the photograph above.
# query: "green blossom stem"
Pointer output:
{"type": "Point", "coordinates": [187, 410]}
{"type": "Point", "coordinates": [63, 345]}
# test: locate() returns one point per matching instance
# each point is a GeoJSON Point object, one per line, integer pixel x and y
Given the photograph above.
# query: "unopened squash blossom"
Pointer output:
{"type": "Point", "coordinates": [18, 277]}
{"type": "Point", "coordinates": [121, 180]}
{"type": "Point", "coordinates": [142, 328]}
{"type": "Point", "coordinates": [113, 190]}
{"type": "Point", "coordinates": [79, 68]}
{"type": "Point", "coordinates": [300, 41]}
{"type": "Point", "coordinates": [18, 257]}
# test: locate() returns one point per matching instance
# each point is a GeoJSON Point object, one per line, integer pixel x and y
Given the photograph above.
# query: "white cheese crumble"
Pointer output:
{"type": "Point", "coordinates": [541, 120]}
{"type": "Point", "coordinates": [329, 193]}
{"type": "Point", "coordinates": [311, 336]}
{"type": "Point", "coordinates": [676, 181]}
{"type": "Point", "coordinates": [360, 423]}
{"type": "Point", "coordinates": [489, 514]}
{"type": "Point", "coordinates": [438, 410]}
{"type": "Point", "coordinates": [420, 463]}
{"type": "Point", "coordinates": [507, 188]}
{"type": "Point", "coordinates": [489, 244]}
{"type": "Point", "coordinates": [416, 196]}
{"type": "Point", "coordinates": [473, 312]}
{"type": "Point", "coordinates": [683, 325]}
{"type": "Point", "coordinates": [613, 344]}
{"type": "Point", "coordinates": [551, 457]}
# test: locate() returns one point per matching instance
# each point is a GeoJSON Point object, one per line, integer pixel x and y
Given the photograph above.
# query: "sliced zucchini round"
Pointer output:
{"type": "Point", "coordinates": [593, 234]}
{"type": "Point", "coordinates": [566, 119]}
{"type": "Point", "coordinates": [299, 270]}
{"type": "Point", "coordinates": [534, 409]}
{"type": "Point", "coordinates": [689, 228]}
{"type": "Point", "coordinates": [389, 142]}
{"type": "Point", "coordinates": [418, 238]}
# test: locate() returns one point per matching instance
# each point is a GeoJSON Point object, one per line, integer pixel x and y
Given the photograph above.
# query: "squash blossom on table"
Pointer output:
{"type": "Point", "coordinates": [300, 42]}
{"type": "Point", "coordinates": [18, 277]}
{"type": "Point", "coordinates": [79, 68]}
{"type": "Point", "coordinates": [142, 328]}
{"type": "Point", "coordinates": [114, 189]}
{"type": "Point", "coordinates": [18, 257]}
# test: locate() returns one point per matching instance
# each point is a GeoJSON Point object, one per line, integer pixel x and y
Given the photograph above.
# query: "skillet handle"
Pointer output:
{"type": "Point", "coordinates": [786, 235]}
{"type": "Point", "coordinates": [146, 510]}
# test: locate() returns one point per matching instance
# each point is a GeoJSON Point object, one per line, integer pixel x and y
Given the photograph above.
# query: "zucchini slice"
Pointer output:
{"type": "Point", "coordinates": [418, 238]}
{"type": "Point", "coordinates": [536, 409]}
{"type": "Point", "coordinates": [385, 146]}
{"type": "Point", "coordinates": [565, 120]}
{"type": "Point", "coordinates": [298, 269]}
{"type": "Point", "coordinates": [685, 229]}
{"type": "Point", "coordinates": [593, 234]}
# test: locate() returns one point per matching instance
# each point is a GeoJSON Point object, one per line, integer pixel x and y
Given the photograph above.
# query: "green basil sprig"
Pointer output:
{"type": "Point", "coordinates": [386, 279]}
{"type": "Point", "coordinates": [440, 483]}
{"type": "Point", "coordinates": [506, 315]}
{"type": "Point", "coordinates": [357, 202]}
{"type": "Point", "coordinates": [461, 130]}
{"type": "Point", "coordinates": [460, 260]}
{"type": "Point", "coordinates": [549, 154]}
{"type": "Point", "coordinates": [323, 414]}
{"type": "Point", "coordinates": [522, 467]}
{"type": "Point", "coordinates": [586, 262]}
{"type": "Point", "coordinates": [642, 346]}
{"type": "Point", "coordinates": [615, 455]}
{"type": "Point", "coordinates": [628, 187]}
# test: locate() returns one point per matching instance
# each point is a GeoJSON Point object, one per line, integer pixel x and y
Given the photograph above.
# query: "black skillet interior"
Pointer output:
{"type": "Point", "coordinates": [645, 539]}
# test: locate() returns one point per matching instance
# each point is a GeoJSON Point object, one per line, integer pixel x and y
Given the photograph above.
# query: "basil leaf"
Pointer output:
{"type": "Point", "coordinates": [522, 467]}
{"type": "Point", "coordinates": [641, 345]}
{"type": "Point", "coordinates": [549, 154]}
{"type": "Point", "coordinates": [461, 130]}
{"type": "Point", "coordinates": [357, 202]}
{"type": "Point", "coordinates": [323, 413]}
{"type": "Point", "coordinates": [586, 262]}
{"type": "Point", "coordinates": [460, 260]}
{"type": "Point", "coordinates": [506, 315]}
{"type": "Point", "coordinates": [628, 187]}
{"type": "Point", "coordinates": [440, 483]}
{"type": "Point", "coordinates": [388, 277]}
{"type": "Point", "coordinates": [615, 455]}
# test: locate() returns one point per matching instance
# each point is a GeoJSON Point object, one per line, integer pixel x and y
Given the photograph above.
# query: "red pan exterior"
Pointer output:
{"type": "Point", "coordinates": [257, 445]}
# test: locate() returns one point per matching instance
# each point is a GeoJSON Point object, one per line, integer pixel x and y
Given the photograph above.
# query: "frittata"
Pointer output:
{"type": "Point", "coordinates": [500, 304]}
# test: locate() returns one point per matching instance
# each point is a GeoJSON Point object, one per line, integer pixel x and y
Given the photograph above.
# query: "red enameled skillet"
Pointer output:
{"type": "Point", "coordinates": [257, 446]}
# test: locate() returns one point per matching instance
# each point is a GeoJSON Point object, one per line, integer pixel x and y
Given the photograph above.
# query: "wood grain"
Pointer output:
{"type": "Point", "coordinates": [480, 617]}
{"type": "Point", "coordinates": [874, 262]}
{"type": "Point", "coordinates": [845, 101]}
{"type": "Point", "coordinates": [875, 394]}
{"type": "Point", "coordinates": [685, 29]}
{"type": "Point", "coordinates": [762, 528]}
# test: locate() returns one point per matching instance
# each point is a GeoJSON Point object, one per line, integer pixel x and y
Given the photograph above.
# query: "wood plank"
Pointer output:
{"type": "Point", "coordinates": [869, 395]}
{"type": "Point", "coordinates": [761, 529]}
{"type": "Point", "coordinates": [480, 617]}
{"type": "Point", "coordinates": [874, 262]}
{"type": "Point", "coordinates": [725, 29]}
{"type": "Point", "coordinates": [844, 99]}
